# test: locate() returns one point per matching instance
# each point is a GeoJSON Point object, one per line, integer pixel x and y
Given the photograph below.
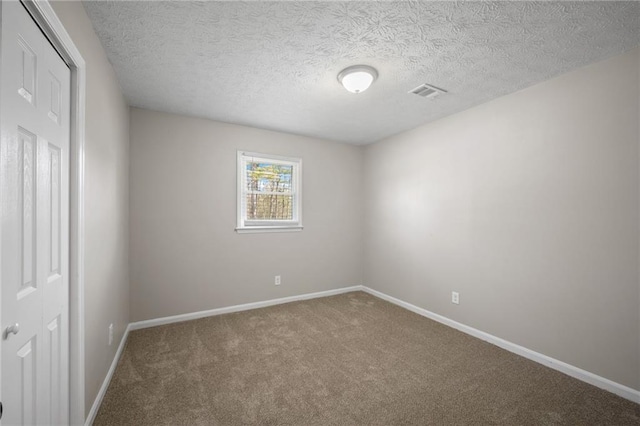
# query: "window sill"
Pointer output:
{"type": "Point", "coordinates": [262, 229]}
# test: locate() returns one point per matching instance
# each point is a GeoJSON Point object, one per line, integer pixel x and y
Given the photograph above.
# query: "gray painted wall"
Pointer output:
{"type": "Point", "coordinates": [529, 207]}
{"type": "Point", "coordinates": [185, 254]}
{"type": "Point", "coordinates": [106, 201]}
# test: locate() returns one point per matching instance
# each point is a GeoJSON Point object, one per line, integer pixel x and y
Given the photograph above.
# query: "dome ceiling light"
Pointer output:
{"type": "Point", "coordinates": [357, 78]}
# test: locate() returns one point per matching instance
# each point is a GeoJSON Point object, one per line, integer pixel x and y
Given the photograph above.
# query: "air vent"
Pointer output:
{"type": "Point", "coordinates": [427, 91]}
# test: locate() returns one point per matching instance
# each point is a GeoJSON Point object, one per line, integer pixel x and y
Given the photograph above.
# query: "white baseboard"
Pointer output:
{"type": "Point", "coordinates": [578, 373]}
{"type": "Point", "coordinates": [195, 315]}
{"type": "Point", "coordinates": [238, 308]}
{"type": "Point", "coordinates": [570, 370]}
{"type": "Point", "coordinates": [105, 384]}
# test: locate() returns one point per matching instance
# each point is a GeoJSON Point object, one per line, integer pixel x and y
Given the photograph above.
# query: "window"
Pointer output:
{"type": "Point", "coordinates": [269, 196]}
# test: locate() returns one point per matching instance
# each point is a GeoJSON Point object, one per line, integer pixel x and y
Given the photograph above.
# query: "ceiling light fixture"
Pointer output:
{"type": "Point", "coordinates": [357, 78]}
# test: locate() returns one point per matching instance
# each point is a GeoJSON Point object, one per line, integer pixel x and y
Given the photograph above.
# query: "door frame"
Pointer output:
{"type": "Point", "coordinates": [44, 15]}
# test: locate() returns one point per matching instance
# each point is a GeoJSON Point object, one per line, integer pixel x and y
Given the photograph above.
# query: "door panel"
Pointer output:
{"type": "Point", "coordinates": [53, 337]}
{"type": "Point", "coordinates": [54, 212]}
{"type": "Point", "coordinates": [34, 201]}
{"type": "Point", "coordinates": [26, 357]}
{"type": "Point", "coordinates": [27, 156]}
{"type": "Point", "coordinates": [28, 70]}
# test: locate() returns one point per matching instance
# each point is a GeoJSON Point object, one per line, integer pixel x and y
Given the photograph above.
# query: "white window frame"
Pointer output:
{"type": "Point", "coordinates": [250, 226]}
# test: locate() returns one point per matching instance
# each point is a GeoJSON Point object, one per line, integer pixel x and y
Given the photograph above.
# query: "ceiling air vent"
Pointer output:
{"type": "Point", "coordinates": [427, 91]}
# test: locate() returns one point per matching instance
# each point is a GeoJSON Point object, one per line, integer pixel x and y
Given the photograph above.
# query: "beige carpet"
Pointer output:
{"type": "Point", "coordinates": [350, 359]}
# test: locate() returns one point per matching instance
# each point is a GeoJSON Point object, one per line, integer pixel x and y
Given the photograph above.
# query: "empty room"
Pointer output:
{"type": "Point", "coordinates": [319, 212]}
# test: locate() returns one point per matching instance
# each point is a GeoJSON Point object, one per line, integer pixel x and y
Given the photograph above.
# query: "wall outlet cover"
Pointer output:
{"type": "Point", "coordinates": [110, 334]}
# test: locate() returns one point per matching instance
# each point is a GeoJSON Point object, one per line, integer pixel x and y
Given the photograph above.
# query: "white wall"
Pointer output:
{"type": "Point", "coordinates": [529, 207]}
{"type": "Point", "coordinates": [106, 200]}
{"type": "Point", "coordinates": [185, 254]}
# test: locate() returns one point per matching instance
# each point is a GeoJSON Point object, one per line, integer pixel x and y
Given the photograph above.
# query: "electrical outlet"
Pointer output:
{"type": "Point", "coordinates": [278, 281]}
{"type": "Point", "coordinates": [455, 297]}
{"type": "Point", "coordinates": [110, 334]}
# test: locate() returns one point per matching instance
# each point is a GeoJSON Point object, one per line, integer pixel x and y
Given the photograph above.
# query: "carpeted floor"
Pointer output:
{"type": "Point", "coordinates": [350, 359]}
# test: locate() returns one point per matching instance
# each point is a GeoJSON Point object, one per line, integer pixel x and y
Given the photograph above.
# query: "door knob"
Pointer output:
{"type": "Point", "coordinates": [12, 329]}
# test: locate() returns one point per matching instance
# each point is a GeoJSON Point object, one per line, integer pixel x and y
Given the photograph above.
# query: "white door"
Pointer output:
{"type": "Point", "coordinates": [34, 202]}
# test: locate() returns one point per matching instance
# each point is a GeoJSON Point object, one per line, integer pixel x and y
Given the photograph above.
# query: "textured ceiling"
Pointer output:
{"type": "Point", "coordinates": [273, 65]}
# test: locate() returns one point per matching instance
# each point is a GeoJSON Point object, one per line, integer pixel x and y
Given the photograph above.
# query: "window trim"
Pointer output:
{"type": "Point", "coordinates": [268, 225]}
